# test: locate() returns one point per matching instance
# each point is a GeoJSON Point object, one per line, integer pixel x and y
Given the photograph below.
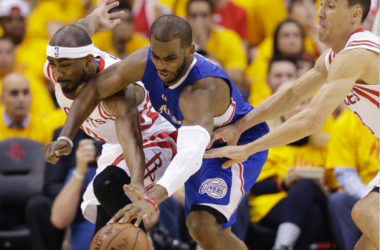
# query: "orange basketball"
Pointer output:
{"type": "Point", "coordinates": [122, 237]}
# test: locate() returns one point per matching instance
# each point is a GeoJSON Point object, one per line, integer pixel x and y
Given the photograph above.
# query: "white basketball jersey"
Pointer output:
{"type": "Point", "coordinates": [101, 124]}
{"type": "Point", "coordinates": [363, 99]}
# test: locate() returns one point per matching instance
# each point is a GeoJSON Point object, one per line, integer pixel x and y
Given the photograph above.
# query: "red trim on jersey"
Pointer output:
{"type": "Point", "coordinates": [233, 104]}
{"type": "Point", "coordinates": [358, 31]}
{"type": "Point", "coordinates": [103, 116]}
{"type": "Point", "coordinates": [51, 81]}
{"type": "Point", "coordinates": [241, 187]}
{"type": "Point", "coordinates": [364, 41]}
{"type": "Point", "coordinates": [105, 111]}
{"type": "Point", "coordinates": [118, 160]}
{"type": "Point", "coordinates": [363, 44]}
{"type": "Point", "coordinates": [365, 95]}
{"type": "Point", "coordinates": [101, 65]}
{"type": "Point", "coordinates": [374, 92]}
{"type": "Point", "coordinates": [331, 56]}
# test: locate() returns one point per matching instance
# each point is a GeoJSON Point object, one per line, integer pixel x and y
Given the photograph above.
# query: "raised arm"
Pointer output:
{"type": "Point", "coordinates": [276, 105]}
{"type": "Point", "coordinates": [100, 19]}
{"type": "Point", "coordinates": [124, 106]}
{"type": "Point", "coordinates": [344, 72]}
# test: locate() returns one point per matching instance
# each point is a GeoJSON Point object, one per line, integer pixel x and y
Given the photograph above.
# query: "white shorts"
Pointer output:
{"type": "Point", "coordinates": [374, 183]}
{"type": "Point", "coordinates": [159, 151]}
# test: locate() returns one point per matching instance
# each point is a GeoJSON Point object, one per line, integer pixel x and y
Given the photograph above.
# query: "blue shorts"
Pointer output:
{"type": "Point", "coordinates": [222, 189]}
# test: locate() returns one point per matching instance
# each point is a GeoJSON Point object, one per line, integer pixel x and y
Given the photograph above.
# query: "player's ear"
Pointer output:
{"type": "Point", "coordinates": [88, 60]}
{"type": "Point", "coordinates": [191, 49]}
{"type": "Point", "coordinates": [357, 13]}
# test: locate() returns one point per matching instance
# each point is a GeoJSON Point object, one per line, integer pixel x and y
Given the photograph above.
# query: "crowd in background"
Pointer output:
{"type": "Point", "coordinates": [263, 46]}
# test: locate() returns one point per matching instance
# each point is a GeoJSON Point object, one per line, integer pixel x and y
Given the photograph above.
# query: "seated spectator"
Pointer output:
{"type": "Point", "coordinates": [353, 154]}
{"type": "Point", "coordinates": [16, 120]}
{"type": "Point", "coordinates": [221, 43]}
{"type": "Point", "coordinates": [42, 103]}
{"type": "Point", "coordinates": [284, 201]}
{"type": "Point", "coordinates": [305, 13]}
{"type": "Point", "coordinates": [280, 71]}
{"type": "Point", "coordinates": [66, 210]}
{"type": "Point", "coordinates": [231, 16]}
{"type": "Point", "coordinates": [305, 62]}
{"type": "Point", "coordinates": [13, 16]}
{"type": "Point", "coordinates": [288, 42]}
{"type": "Point", "coordinates": [122, 40]}
{"type": "Point", "coordinates": [38, 209]}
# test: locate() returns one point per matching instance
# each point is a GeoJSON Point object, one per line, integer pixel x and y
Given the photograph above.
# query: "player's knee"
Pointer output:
{"type": "Point", "coordinates": [110, 180]}
{"type": "Point", "coordinates": [202, 226]}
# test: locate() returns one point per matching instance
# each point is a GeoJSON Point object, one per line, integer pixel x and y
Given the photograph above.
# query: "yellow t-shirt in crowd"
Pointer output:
{"type": "Point", "coordinates": [280, 160]}
{"type": "Point", "coordinates": [36, 130]}
{"type": "Point", "coordinates": [228, 48]}
{"type": "Point", "coordinates": [42, 103]}
{"type": "Point", "coordinates": [352, 145]}
{"type": "Point", "coordinates": [103, 41]}
{"type": "Point", "coordinates": [257, 71]}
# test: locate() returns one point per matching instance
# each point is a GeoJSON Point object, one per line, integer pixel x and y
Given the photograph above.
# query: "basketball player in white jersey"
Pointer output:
{"type": "Point", "coordinates": [348, 71]}
{"type": "Point", "coordinates": [128, 151]}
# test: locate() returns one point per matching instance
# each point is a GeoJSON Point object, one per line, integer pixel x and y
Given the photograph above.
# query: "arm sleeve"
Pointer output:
{"type": "Point", "coordinates": [191, 144]}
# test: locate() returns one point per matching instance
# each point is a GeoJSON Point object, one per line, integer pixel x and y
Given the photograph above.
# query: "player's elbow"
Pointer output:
{"type": "Point", "coordinates": [58, 221]}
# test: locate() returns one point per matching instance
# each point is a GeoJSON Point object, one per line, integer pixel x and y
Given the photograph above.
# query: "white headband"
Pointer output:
{"type": "Point", "coordinates": [69, 52]}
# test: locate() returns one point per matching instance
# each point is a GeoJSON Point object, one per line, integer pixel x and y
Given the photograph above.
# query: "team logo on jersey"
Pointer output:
{"type": "Point", "coordinates": [56, 51]}
{"type": "Point", "coordinates": [215, 188]}
{"type": "Point", "coordinates": [165, 110]}
{"type": "Point", "coordinates": [164, 98]}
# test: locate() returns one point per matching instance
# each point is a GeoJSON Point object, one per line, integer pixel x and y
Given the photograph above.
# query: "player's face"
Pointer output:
{"type": "Point", "coordinates": [335, 20]}
{"type": "Point", "coordinates": [7, 56]}
{"type": "Point", "coordinates": [169, 59]}
{"type": "Point", "coordinates": [69, 73]}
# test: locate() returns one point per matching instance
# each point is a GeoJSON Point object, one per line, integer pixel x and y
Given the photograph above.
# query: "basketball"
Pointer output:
{"type": "Point", "coordinates": [122, 237]}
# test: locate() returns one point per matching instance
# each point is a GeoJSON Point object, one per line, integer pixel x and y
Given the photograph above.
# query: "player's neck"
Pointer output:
{"type": "Point", "coordinates": [340, 42]}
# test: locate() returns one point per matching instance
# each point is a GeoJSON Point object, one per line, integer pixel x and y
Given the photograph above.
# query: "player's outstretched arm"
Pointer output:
{"type": "Point", "coordinates": [124, 106]}
{"type": "Point", "coordinates": [193, 137]}
{"type": "Point", "coordinates": [100, 19]}
{"type": "Point", "coordinates": [106, 83]}
{"type": "Point", "coordinates": [276, 105]}
{"type": "Point", "coordinates": [344, 72]}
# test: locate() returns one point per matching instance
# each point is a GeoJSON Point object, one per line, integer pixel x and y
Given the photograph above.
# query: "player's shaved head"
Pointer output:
{"type": "Point", "coordinates": [70, 36]}
{"type": "Point", "coordinates": [168, 27]}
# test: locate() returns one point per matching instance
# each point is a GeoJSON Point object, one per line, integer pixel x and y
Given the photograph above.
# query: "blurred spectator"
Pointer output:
{"type": "Point", "coordinates": [231, 16]}
{"type": "Point", "coordinates": [305, 13]}
{"type": "Point", "coordinates": [280, 71]}
{"type": "Point", "coordinates": [42, 103]}
{"type": "Point", "coordinates": [145, 12]}
{"type": "Point", "coordinates": [66, 210]}
{"type": "Point", "coordinates": [219, 42]}
{"type": "Point", "coordinates": [288, 42]}
{"type": "Point", "coordinates": [13, 22]}
{"type": "Point", "coordinates": [353, 153]}
{"type": "Point", "coordinates": [122, 40]}
{"type": "Point", "coordinates": [285, 201]}
{"type": "Point", "coordinates": [16, 120]}
{"type": "Point", "coordinates": [305, 62]}
{"type": "Point", "coordinates": [263, 18]}
{"type": "Point", "coordinates": [44, 236]}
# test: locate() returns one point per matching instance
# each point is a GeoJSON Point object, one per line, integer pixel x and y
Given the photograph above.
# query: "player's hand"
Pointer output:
{"type": "Point", "coordinates": [137, 210]}
{"type": "Point", "coordinates": [136, 190]}
{"type": "Point", "coordinates": [291, 177]}
{"type": "Point", "coordinates": [229, 134]}
{"type": "Point", "coordinates": [236, 154]}
{"type": "Point", "coordinates": [56, 149]}
{"type": "Point", "coordinates": [107, 21]}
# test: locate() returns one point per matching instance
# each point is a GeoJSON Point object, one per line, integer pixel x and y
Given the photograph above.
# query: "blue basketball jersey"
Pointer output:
{"type": "Point", "coordinates": [166, 99]}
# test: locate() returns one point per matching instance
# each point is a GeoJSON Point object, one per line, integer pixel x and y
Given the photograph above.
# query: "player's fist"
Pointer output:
{"type": "Point", "coordinates": [56, 149]}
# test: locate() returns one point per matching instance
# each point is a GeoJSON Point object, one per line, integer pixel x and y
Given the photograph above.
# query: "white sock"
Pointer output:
{"type": "Point", "coordinates": [287, 235]}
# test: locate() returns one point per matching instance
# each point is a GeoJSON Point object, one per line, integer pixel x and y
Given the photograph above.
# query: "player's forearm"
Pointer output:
{"type": "Point", "coordinates": [81, 108]}
{"type": "Point", "coordinates": [90, 24]}
{"type": "Point", "coordinates": [129, 134]}
{"type": "Point", "coordinates": [296, 128]}
{"type": "Point", "coordinates": [66, 204]}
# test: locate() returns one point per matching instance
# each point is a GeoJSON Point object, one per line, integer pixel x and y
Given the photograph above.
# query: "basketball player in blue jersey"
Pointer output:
{"type": "Point", "coordinates": [196, 96]}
